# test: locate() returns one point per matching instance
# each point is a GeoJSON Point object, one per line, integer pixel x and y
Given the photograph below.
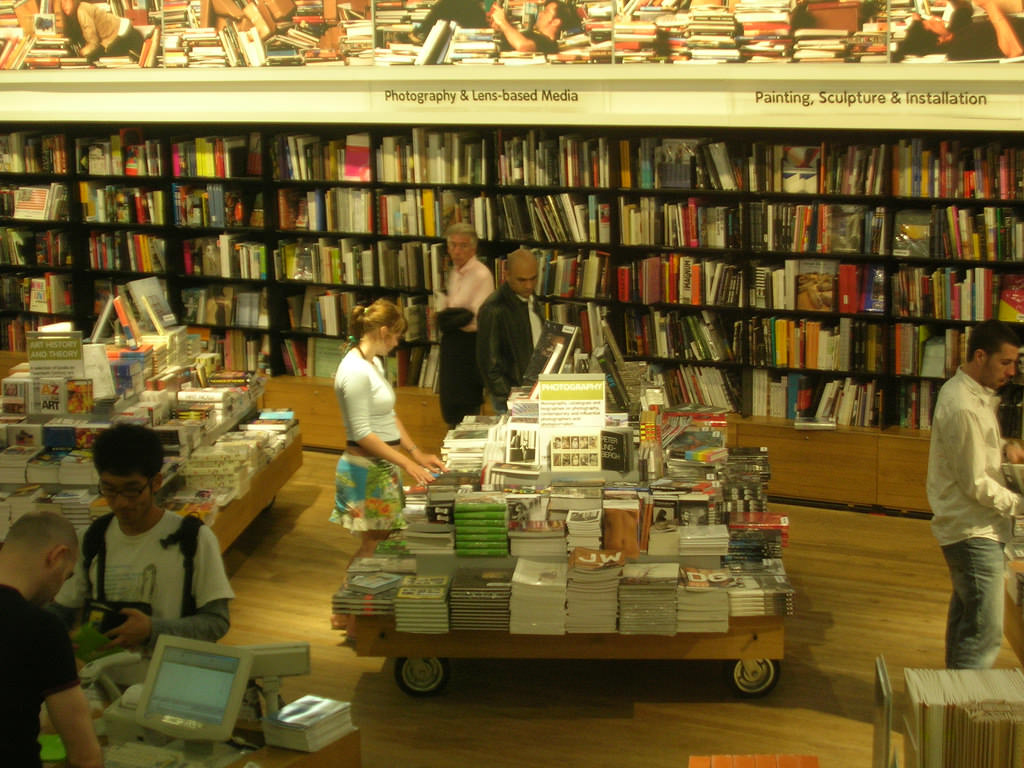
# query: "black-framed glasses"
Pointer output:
{"type": "Point", "coordinates": [131, 493]}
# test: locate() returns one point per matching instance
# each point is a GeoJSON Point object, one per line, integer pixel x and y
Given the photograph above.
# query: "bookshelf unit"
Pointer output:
{"type": "Point", "coordinates": [597, 109]}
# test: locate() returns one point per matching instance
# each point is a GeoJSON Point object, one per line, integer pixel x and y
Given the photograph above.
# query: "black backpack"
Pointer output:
{"type": "Point", "coordinates": [94, 544]}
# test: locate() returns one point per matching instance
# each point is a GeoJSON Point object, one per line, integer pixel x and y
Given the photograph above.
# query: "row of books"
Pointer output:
{"type": "Point", "coordinates": [592, 591]}
{"type": "Point", "coordinates": [35, 202]}
{"type": "Point", "coordinates": [846, 401]}
{"type": "Point", "coordinates": [32, 247]}
{"type": "Point", "coordinates": [49, 293]}
{"type": "Point", "coordinates": [909, 167]}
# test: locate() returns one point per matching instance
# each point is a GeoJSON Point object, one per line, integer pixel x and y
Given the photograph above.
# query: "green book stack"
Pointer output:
{"type": "Point", "coordinates": [481, 525]}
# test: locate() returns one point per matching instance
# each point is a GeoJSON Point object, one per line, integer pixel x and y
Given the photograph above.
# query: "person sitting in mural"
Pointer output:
{"type": "Point", "coordinates": [96, 31]}
{"type": "Point", "coordinates": [552, 20]}
{"type": "Point", "coordinates": [992, 35]}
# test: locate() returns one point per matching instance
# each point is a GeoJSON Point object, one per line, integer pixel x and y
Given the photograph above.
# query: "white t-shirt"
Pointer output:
{"type": "Point", "coordinates": [139, 569]}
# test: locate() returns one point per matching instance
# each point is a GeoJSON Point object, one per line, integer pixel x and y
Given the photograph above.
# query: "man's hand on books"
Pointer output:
{"type": "Point", "coordinates": [135, 630]}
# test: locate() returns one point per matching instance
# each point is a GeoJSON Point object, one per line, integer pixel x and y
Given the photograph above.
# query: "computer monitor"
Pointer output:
{"type": "Point", "coordinates": [193, 691]}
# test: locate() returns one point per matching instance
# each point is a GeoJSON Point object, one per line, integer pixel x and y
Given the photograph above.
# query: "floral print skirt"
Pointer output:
{"type": "Point", "coordinates": [368, 494]}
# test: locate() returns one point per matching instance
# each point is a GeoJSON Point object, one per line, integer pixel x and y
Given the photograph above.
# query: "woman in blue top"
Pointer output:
{"type": "Point", "coordinates": [369, 497]}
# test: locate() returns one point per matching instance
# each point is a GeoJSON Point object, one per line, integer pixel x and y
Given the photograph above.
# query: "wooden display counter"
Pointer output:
{"type": "Point", "coordinates": [316, 407]}
{"type": "Point", "coordinates": [343, 753]}
{"type": "Point", "coordinates": [236, 516]}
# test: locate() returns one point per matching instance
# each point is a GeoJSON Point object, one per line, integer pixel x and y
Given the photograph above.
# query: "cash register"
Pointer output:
{"type": "Point", "coordinates": [184, 713]}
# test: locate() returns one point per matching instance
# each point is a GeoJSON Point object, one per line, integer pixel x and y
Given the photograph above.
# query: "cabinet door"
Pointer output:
{"type": "Point", "coordinates": [826, 466]}
{"type": "Point", "coordinates": [902, 469]}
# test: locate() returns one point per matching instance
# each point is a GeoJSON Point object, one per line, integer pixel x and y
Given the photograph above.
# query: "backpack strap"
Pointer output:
{"type": "Point", "coordinates": [187, 538]}
{"type": "Point", "coordinates": [94, 544]}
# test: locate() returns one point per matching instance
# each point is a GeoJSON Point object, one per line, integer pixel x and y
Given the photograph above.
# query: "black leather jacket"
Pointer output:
{"type": "Point", "coordinates": [504, 340]}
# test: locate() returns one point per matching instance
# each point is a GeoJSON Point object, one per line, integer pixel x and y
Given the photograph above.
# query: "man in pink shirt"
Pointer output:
{"type": "Point", "coordinates": [469, 283]}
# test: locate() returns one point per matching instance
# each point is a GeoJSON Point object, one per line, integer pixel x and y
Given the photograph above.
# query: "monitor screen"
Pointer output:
{"type": "Point", "coordinates": [194, 689]}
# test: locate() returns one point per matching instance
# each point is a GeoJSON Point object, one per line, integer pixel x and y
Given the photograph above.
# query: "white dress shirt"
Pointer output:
{"type": "Point", "coordinates": [965, 484]}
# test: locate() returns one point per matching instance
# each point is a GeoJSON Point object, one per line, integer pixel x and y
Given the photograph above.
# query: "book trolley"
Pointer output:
{"type": "Point", "coordinates": [752, 650]}
{"type": "Point", "coordinates": [751, 646]}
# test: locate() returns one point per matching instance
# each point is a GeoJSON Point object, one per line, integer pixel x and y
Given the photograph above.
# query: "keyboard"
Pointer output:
{"type": "Point", "coordinates": [137, 755]}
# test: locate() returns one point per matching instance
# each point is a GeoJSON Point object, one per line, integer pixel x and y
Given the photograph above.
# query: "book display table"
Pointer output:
{"type": "Point", "coordinates": [236, 516]}
{"type": "Point", "coordinates": [752, 648]}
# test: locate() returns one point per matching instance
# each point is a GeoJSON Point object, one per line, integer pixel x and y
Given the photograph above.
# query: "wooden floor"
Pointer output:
{"type": "Point", "coordinates": [866, 584]}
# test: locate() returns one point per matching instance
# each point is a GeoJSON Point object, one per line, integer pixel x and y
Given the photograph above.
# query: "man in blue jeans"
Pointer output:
{"type": "Point", "coordinates": [972, 508]}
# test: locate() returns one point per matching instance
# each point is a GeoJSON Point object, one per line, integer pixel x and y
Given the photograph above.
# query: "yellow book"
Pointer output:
{"type": "Point", "coordinates": [429, 221]}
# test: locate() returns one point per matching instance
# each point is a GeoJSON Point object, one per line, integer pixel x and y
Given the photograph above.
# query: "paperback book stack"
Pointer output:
{"type": "Point", "coordinates": [647, 599]}
{"type": "Point", "coordinates": [44, 467]}
{"type": "Point", "coordinates": [753, 546]}
{"type": "Point", "coordinates": [531, 538]}
{"type": "Point", "coordinates": [425, 538]}
{"type": "Point", "coordinates": [948, 725]}
{"type": "Point", "coordinates": [537, 605]}
{"type": "Point", "coordinates": [480, 599]}
{"type": "Point", "coordinates": [566, 495]}
{"type": "Point", "coordinates": [767, 521]}
{"type": "Point", "coordinates": [14, 461]}
{"type": "Point", "coordinates": [663, 539]}
{"type": "Point", "coordinates": [308, 724]}
{"type": "Point", "coordinates": [77, 469]}
{"type": "Point", "coordinates": [703, 546]}
{"type": "Point", "coordinates": [703, 600]}
{"type": "Point", "coordinates": [74, 504]}
{"type": "Point", "coordinates": [592, 593]}
{"type": "Point", "coordinates": [421, 604]}
{"type": "Point", "coordinates": [583, 528]}
{"type": "Point", "coordinates": [761, 589]}
{"type": "Point", "coordinates": [481, 524]}
{"type": "Point", "coordinates": [367, 594]}
{"type": "Point", "coordinates": [463, 447]}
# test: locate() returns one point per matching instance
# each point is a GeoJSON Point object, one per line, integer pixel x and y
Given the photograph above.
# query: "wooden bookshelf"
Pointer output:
{"type": "Point", "coordinates": [316, 406]}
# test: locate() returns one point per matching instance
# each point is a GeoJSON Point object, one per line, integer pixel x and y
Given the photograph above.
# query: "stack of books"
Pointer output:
{"type": "Point", "coordinates": [584, 528]}
{"type": "Point", "coordinates": [537, 604]}
{"type": "Point", "coordinates": [761, 589]}
{"type": "Point", "coordinates": [702, 600]}
{"type": "Point", "coordinates": [308, 724]}
{"type": "Point", "coordinates": [532, 538]}
{"type": "Point", "coordinates": [481, 524]}
{"type": "Point", "coordinates": [663, 539]}
{"type": "Point", "coordinates": [45, 467]}
{"type": "Point", "coordinates": [426, 538]}
{"type": "Point", "coordinates": [77, 469]}
{"type": "Point", "coordinates": [14, 460]}
{"type": "Point", "coordinates": [592, 599]}
{"type": "Point", "coordinates": [480, 599]}
{"type": "Point", "coordinates": [703, 546]}
{"type": "Point", "coordinates": [647, 599]}
{"type": "Point", "coordinates": [421, 604]}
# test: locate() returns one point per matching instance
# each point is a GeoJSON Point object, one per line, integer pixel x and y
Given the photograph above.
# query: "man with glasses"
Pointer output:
{"type": "Point", "coordinates": [140, 572]}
